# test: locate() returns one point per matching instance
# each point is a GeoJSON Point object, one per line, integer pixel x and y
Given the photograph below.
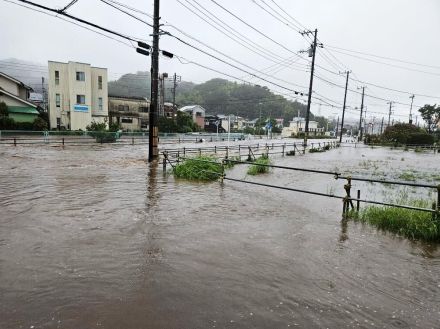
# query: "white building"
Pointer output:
{"type": "Point", "coordinates": [298, 124]}
{"type": "Point", "coordinates": [77, 95]}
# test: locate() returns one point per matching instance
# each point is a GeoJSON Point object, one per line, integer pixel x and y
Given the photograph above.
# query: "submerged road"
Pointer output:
{"type": "Point", "coordinates": [95, 237]}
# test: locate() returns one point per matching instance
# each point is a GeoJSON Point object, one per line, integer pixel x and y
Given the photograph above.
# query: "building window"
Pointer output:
{"type": "Point", "coordinates": [80, 76]}
{"type": "Point", "coordinates": [126, 108]}
{"type": "Point", "coordinates": [80, 99]}
{"type": "Point", "coordinates": [100, 82]}
{"type": "Point", "coordinates": [120, 107]}
{"type": "Point", "coordinates": [143, 109]}
{"type": "Point", "coordinates": [57, 100]}
{"type": "Point", "coordinates": [127, 120]}
{"type": "Point", "coordinates": [57, 77]}
{"type": "Point", "coordinates": [100, 103]}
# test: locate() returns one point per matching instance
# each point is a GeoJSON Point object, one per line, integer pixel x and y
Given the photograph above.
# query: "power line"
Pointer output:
{"type": "Point", "coordinates": [73, 18]}
{"type": "Point", "coordinates": [384, 57]}
{"type": "Point", "coordinates": [71, 3]}
{"type": "Point", "coordinates": [232, 65]}
{"type": "Point", "coordinates": [125, 12]}
{"type": "Point", "coordinates": [387, 64]}
{"type": "Point", "coordinates": [267, 54]}
{"type": "Point", "coordinates": [255, 29]}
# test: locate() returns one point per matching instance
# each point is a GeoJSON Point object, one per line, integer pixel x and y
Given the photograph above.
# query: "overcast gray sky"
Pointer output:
{"type": "Point", "coordinates": [401, 29]}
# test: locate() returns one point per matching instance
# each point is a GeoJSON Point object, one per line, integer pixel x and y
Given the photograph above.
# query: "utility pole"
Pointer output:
{"type": "Point", "coordinates": [337, 128]}
{"type": "Point", "coordinates": [389, 113]}
{"type": "Point", "coordinates": [343, 108]}
{"type": "Point", "coordinates": [174, 90]}
{"type": "Point", "coordinates": [410, 109]}
{"type": "Point", "coordinates": [153, 133]}
{"type": "Point", "coordinates": [309, 100]}
{"type": "Point", "coordinates": [360, 118]}
{"type": "Point", "coordinates": [381, 127]}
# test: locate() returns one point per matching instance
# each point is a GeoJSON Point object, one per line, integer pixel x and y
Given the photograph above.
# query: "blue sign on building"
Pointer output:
{"type": "Point", "coordinates": [81, 108]}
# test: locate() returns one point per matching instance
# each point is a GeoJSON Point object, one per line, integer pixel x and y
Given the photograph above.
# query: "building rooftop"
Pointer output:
{"type": "Point", "coordinates": [16, 81]}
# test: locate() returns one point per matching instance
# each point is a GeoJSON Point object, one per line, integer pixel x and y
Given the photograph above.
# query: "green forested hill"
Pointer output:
{"type": "Point", "coordinates": [217, 96]}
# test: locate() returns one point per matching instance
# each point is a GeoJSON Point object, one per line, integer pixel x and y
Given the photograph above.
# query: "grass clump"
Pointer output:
{"type": "Point", "coordinates": [317, 150]}
{"type": "Point", "coordinates": [204, 168]}
{"type": "Point", "coordinates": [408, 176]}
{"type": "Point", "coordinates": [412, 224]}
{"type": "Point", "coordinates": [256, 168]}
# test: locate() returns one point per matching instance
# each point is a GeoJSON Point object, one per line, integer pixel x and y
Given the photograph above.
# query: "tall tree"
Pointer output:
{"type": "Point", "coordinates": [431, 115]}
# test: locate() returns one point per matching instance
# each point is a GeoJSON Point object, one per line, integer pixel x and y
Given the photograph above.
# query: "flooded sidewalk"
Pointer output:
{"type": "Point", "coordinates": [96, 237]}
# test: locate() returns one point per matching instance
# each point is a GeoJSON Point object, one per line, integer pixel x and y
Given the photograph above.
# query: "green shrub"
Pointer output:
{"type": "Point", "coordinates": [256, 167]}
{"type": "Point", "coordinates": [412, 224]}
{"type": "Point", "coordinates": [204, 168]}
{"type": "Point", "coordinates": [420, 139]}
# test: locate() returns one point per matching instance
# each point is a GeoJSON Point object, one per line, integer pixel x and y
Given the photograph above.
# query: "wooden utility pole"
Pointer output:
{"type": "Point", "coordinates": [337, 127]}
{"type": "Point", "coordinates": [360, 118]}
{"type": "Point", "coordinates": [174, 90]}
{"type": "Point", "coordinates": [309, 100]}
{"type": "Point", "coordinates": [153, 135]}
{"type": "Point", "coordinates": [381, 127]}
{"type": "Point", "coordinates": [389, 113]}
{"type": "Point", "coordinates": [343, 108]}
{"type": "Point", "coordinates": [410, 109]}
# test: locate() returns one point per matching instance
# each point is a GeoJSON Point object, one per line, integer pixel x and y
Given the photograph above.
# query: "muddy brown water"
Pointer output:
{"type": "Point", "coordinates": [95, 237]}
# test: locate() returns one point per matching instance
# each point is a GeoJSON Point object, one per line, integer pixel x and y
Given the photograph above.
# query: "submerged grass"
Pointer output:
{"type": "Point", "coordinates": [203, 168]}
{"type": "Point", "coordinates": [412, 224]}
{"type": "Point", "coordinates": [256, 169]}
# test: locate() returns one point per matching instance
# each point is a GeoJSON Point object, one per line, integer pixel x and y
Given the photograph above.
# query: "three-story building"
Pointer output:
{"type": "Point", "coordinates": [78, 95]}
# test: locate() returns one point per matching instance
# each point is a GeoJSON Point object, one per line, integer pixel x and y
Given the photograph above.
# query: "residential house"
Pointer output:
{"type": "Point", "coordinates": [297, 126]}
{"type": "Point", "coordinates": [213, 124]}
{"type": "Point", "coordinates": [197, 113]}
{"type": "Point", "coordinates": [77, 95]}
{"type": "Point", "coordinates": [15, 94]}
{"type": "Point", "coordinates": [131, 113]}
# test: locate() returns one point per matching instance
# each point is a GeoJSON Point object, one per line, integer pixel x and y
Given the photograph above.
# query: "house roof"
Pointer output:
{"type": "Point", "coordinates": [18, 82]}
{"type": "Point", "coordinates": [129, 97]}
{"type": "Point", "coordinates": [4, 92]}
{"type": "Point", "coordinates": [22, 109]}
{"type": "Point", "coordinates": [191, 108]}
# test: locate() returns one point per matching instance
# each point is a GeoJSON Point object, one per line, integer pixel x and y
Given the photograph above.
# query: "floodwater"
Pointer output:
{"type": "Point", "coordinates": [95, 237]}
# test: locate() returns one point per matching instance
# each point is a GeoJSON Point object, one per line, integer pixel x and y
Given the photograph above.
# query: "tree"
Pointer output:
{"type": "Point", "coordinates": [3, 110]}
{"type": "Point", "coordinates": [431, 115]}
{"type": "Point", "coordinates": [404, 133]}
{"type": "Point", "coordinates": [39, 124]}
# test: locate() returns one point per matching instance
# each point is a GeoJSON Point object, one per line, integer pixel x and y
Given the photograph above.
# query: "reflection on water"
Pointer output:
{"type": "Point", "coordinates": [98, 237]}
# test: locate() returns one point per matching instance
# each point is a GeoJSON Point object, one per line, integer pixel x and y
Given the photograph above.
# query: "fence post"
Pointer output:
{"type": "Point", "coordinates": [15, 141]}
{"type": "Point", "coordinates": [239, 149]}
{"type": "Point", "coordinates": [284, 146]}
{"type": "Point", "coordinates": [164, 162]}
{"type": "Point", "coordinates": [132, 141]}
{"type": "Point", "coordinates": [63, 141]}
{"type": "Point", "coordinates": [215, 149]}
{"type": "Point", "coordinates": [200, 151]}
{"type": "Point", "coordinates": [184, 152]}
{"type": "Point", "coordinates": [227, 152]}
{"type": "Point", "coordinates": [358, 202]}
{"type": "Point", "coordinates": [438, 202]}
